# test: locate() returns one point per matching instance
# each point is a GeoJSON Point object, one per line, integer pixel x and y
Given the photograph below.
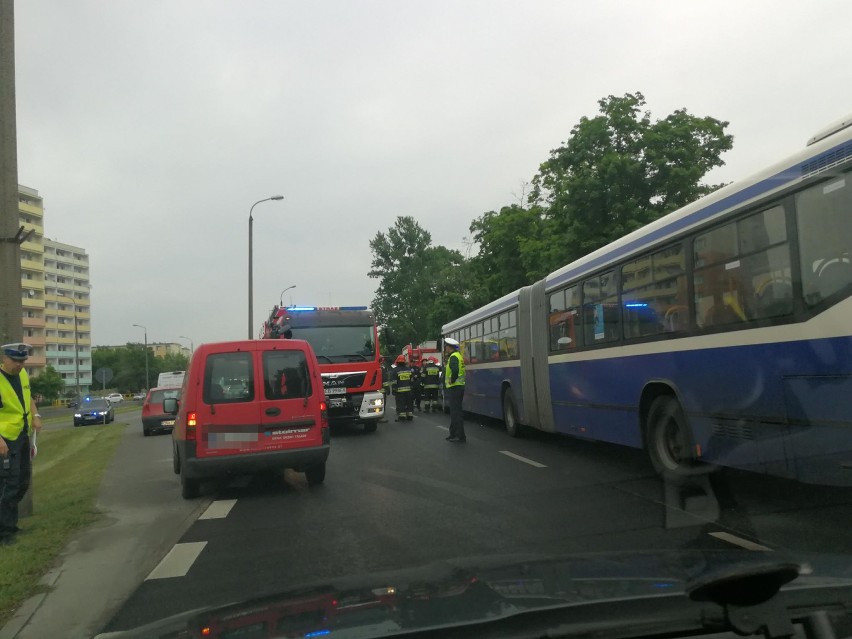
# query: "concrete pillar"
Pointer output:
{"type": "Point", "coordinates": [11, 319]}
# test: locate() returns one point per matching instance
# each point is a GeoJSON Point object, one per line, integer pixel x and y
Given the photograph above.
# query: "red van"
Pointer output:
{"type": "Point", "coordinates": [250, 406]}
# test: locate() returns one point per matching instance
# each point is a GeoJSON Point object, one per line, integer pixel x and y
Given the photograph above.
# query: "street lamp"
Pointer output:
{"type": "Point", "coordinates": [250, 289]}
{"type": "Point", "coordinates": [76, 348]}
{"type": "Point", "coordinates": [281, 303]}
{"type": "Point", "coordinates": [147, 379]}
{"type": "Point", "coordinates": [191, 345]}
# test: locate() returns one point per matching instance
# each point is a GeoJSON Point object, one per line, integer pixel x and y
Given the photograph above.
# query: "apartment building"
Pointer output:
{"type": "Point", "coordinates": [54, 292]}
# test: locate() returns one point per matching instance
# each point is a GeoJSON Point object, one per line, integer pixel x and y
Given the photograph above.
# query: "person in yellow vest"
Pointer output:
{"type": "Point", "coordinates": [454, 388]}
{"type": "Point", "coordinates": [18, 419]}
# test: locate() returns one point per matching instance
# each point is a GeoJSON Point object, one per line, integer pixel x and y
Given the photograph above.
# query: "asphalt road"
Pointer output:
{"type": "Point", "coordinates": [405, 497]}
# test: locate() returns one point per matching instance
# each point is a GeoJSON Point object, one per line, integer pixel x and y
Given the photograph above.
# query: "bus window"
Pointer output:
{"type": "Point", "coordinates": [824, 215]}
{"type": "Point", "coordinates": [654, 293]}
{"type": "Point", "coordinates": [746, 271]}
{"type": "Point", "coordinates": [563, 320]}
{"type": "Point", "coordinates": [601, 318]}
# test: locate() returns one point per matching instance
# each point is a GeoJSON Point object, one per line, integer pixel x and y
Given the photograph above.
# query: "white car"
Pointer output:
{"type": "Point", "coordinates": [115, 398]}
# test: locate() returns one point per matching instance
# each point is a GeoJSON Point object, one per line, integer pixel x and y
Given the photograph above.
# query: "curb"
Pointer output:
{"type": "Point", "coordinates": [27, 609]}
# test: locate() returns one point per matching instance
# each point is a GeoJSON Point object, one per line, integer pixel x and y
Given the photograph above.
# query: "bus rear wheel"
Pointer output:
{"type": "Point", "coordinates": [510, 415]}
{"type": "Point", "coordinates": [669, 440]}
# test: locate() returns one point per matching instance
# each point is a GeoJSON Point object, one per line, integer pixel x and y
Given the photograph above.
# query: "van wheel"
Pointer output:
{"type": "Point", "coordinates": [189, 488]}
{"type": "Point", "coordinates": [510, 415]}
{"type": "Point", "coordinates": [370, 427]}
{"type": "Point", "coordinates": [315, 474]}
{"type": "Point", "coordinates": [146, 432]}
{"type": "Point", "coordinates": [669, 440]}
{"type": "Point", "coordinates": [175, 459]}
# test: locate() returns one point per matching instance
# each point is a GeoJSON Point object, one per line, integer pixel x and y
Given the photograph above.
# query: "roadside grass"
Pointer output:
{"type": "Point", "coordinates": [66, 476]}
{"type": "Point", "coordinates": [68, 414]}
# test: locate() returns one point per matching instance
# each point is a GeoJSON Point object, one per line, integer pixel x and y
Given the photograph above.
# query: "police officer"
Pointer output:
{"type": "Point", "coordinates": [431, 377]}
{"type": "Point", "coordinates": [403, 390]}
{"type": "Point", "coordinates": [18, 419]}
{"type": "Point", "coordinates": [454, 385]}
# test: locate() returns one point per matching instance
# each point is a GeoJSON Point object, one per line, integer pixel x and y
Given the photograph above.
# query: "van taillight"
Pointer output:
{"type": "Point", "coordinates": [323, 415]}
{"type": "Point", "coordinates": [191, 422]}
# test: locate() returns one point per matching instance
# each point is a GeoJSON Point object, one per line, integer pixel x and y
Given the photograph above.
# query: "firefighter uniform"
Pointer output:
{"type": "Point", "coordinates": [404, 392]}
{"type": "Point", "coordinates": [418, 387]}
{"type": "Point", "coordinates": [431, 378]}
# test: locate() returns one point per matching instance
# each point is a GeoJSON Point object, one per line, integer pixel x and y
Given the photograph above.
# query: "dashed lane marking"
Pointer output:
{"type": "Point", "coordinates": [523, 459]}
{"type": "Point", "coordinates": [442, 427]}
{"type": "Point", "coordinates": [178, 561]}
{"type": "Point", "coordinates": [219, 509]}
{"type": "Point", "coordinates": [739, 541]}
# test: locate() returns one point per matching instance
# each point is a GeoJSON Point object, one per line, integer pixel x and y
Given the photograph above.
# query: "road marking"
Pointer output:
{"type": "Point", "coordinates": [442, 427]}
{"type": "Point", "coordinates": [219, 509]}
{"type": "Point", "coordinates": [178, 561]}
{"type": "Point", "coordinates": [523, 459]}
{"type": "Point", "coordinates": [739, 541]}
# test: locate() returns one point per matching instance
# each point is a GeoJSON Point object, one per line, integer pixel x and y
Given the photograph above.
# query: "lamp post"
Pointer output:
{"type": "Point", "coordinates": [250, 282]}
{"type": "Point", "coordinates": [191, 345]}
{"type": "Point", "coordinates": [76, 348]}
{"type": "Point", "coordinates": [281, 302]}
{"type": "Point", "coordinates": [147, 379]}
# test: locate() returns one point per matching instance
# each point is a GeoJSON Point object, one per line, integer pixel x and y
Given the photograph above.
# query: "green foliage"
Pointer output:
{"type": "Point", "coordinates": [48, 384]}
{"type": "Point", "coordinates": [419, 283]}
{"type": "Point", "coordinates": [617, 172]}
{"type": "Point", "coordinates": [128, 366]}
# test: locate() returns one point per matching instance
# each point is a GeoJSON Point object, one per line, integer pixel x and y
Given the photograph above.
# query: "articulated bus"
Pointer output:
{"type": "Point", "coordinates": [720, 334]}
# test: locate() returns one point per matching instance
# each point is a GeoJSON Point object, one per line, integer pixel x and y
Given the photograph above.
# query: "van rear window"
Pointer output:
{"type": "Point", "coordinates": [158, 396]}
{"type": "Point", "coordinates": [228, 378]}
{"type": "Point", "coordinates": [285, 375]}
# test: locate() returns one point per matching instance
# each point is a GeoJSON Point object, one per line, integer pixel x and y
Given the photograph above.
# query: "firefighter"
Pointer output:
{"type": "Point", "coordinates": [403, 383]}
{"type": "Point", "coordinates": [430, 376]}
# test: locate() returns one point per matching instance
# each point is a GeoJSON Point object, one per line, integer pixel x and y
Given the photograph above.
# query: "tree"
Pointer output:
{"type": "Point", "coordinates": [509, 251]}
{"type": "Point", "coordinates": [48, 384]}
{"type": "Point", "coordinates": [619, 171]}
{"type": "Point", "coordinates": [416, 279]}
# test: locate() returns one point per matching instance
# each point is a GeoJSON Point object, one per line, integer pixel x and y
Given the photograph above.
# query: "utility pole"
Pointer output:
{"type": "Point", "coordinates": [11, 232]}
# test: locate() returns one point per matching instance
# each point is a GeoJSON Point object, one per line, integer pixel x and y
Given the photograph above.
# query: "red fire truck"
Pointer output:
{"type": "Point", "coordinates": [346, 342]}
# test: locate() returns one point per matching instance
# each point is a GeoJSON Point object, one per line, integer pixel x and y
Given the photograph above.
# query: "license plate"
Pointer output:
{"type": "Point", "coordinates": [167, 422]}
{"type": "Point", "coordinates": [335, 391]}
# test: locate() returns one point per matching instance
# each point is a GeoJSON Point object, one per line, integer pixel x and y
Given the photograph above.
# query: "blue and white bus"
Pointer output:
{"type": "Point", "coordinates": [720, 334]}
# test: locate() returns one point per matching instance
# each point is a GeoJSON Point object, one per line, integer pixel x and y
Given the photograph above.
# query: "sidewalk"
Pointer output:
{"type": "Point", "coordinates": [143, 516]}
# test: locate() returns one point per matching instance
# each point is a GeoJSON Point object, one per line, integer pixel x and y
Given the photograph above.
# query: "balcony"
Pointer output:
{"type": "Point", "coordinates": [32, 303]}
{"type": "Point", "coordinates": [30, 209]}
{"type": "Point", "coordinates": [35, 340]}
{"type": "Point", "coordinates": [32, 265]}
{"type": "Point", "coordinates": [33, 322]}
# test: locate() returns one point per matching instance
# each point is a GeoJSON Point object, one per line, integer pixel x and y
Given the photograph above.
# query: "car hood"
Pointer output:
{"type": "Point", "coordinates": [481, 594]}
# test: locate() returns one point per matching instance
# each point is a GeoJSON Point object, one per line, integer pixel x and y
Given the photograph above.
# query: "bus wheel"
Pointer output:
{"type": "Point", "coordinates": [370, 426]}
{"type": "Point", "coordinates": [510, 415]}
{"type": "Point", "coordinates": [668, 440]}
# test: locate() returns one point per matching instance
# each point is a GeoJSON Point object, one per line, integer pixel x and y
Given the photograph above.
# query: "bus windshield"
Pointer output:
{"type": "Point", "coordinates": [339, 343]}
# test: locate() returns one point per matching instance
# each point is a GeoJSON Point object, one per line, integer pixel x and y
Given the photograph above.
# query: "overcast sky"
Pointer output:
{"type": "Point", "coordinates": [150, 128]}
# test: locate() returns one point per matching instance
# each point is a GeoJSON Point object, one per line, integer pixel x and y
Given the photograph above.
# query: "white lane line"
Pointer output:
{"type": "Point", "coordinates": [442, 427]}
{"type": "Point", "coordinates": [739, 541]}
{"type": "Point", "coordinates": [523, 459]}
{"type": "Point", "coordinates": [219, 509]}
{"type": "Point", "coordinates": [178, 561]}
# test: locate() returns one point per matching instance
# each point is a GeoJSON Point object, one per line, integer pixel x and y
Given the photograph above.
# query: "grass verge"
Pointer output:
{"type": "Point", "coordinates": [65, 484]}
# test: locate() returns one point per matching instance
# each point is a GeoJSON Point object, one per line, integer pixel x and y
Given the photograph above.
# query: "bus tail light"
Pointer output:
{"type": "Point", "coordinates": [191, 423]}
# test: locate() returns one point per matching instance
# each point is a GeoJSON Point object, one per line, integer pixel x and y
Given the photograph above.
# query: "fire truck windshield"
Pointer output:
{"type": "Point", "coordinates": [339, 343]}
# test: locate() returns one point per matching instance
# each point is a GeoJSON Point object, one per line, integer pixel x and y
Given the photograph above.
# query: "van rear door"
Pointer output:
{"type": "Point", "coordinates": [290, 403]}
{"type": "Point", "coordinates": [229, 413]}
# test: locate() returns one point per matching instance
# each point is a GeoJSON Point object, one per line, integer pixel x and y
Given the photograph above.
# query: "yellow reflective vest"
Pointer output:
{"type": "Point", "coordinates": [448, 373]}
{"type": "Point", "coordinates": [12, 413]}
